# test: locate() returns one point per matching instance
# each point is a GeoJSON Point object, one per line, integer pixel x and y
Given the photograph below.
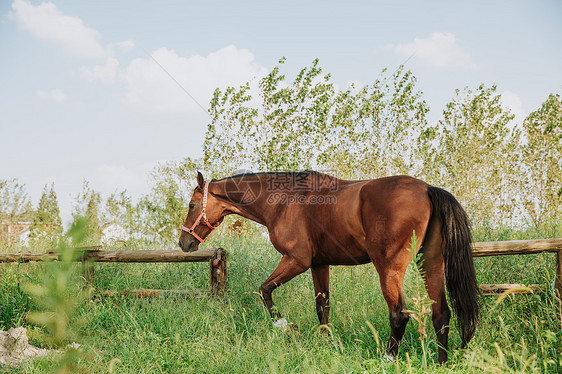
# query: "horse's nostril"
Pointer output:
{"type": "Point", "coordinates": [180, 243]}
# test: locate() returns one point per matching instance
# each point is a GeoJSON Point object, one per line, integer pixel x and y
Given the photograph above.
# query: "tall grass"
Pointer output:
{"type": "Point", "coordinates": [234, 333]}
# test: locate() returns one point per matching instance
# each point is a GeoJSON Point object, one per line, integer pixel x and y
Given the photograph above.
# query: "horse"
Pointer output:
{"type": "Point", "coordinates": [316, 220]}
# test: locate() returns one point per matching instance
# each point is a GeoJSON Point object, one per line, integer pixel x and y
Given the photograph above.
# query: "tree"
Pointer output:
{"type": "Point", "coordinates": [87, 205]}
{"type": "Point", "coordinates": [14, 201]}
{"type": "Point", "coordinates": [541, 166]}
{"type": "Point", "coordinates": [15, 208]}
{"type": "Point", "coordinates": [47, 224]}
{"type": "Point", "coordinates": [375, 128]}
{"type": "Point", "coordinates": [163, 211]}
{"type": "Point", "coordinates": [118, 209]}
{"type": "Point", "coordinates": [470, 153]}
{"type": "Point", "coordinates": [119, 218]}
{"type": "Point", "coordinates": [309, 124]}
{"type": "Point", "coordinates": [282, 127]}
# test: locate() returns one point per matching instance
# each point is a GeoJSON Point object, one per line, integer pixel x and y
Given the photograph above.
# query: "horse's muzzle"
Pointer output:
{"type": "Point", "coordinates": [188, 244]}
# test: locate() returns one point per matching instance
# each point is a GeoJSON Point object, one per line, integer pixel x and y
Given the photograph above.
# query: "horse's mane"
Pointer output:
{"type": "Point", "coordinates": [268, 173]}
{"type": "Point", "coordinates": [327, 180]}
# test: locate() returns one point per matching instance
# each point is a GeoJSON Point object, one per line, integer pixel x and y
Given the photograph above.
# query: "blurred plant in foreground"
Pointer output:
{"type": "Point", "coordinates": [421, 301]}
{"type": "Point", "coordinates": [57, 297]}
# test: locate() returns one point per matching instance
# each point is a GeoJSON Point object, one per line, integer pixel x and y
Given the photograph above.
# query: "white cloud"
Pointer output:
{"type": "Point", "coordinates": [149, 87]}
{"type": "Point", "coordinates": [107, 73]}
{"type": "Point", "coordinates": [513, 102]}
{"type": "Point", "coordinates": [55, 95]}
{"type": "Point", "coordinates": [439, 50]}
{"type": "Point", "coordinates": [125, 45]}
{"type": "Point", "coordinates": [47, 23]}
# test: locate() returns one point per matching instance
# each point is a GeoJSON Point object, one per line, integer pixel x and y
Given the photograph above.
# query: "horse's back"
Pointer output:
{"type": "Point", "coordinates": [366, 212]}
{"type": "Point", "coordinates": [396, 194]}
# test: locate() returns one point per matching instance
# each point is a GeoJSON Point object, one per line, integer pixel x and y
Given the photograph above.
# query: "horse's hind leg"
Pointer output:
{"type": "Point", "coordinates": [391, 260]}
{"type": "Point", "coordinates": [392, 281]}
{"type": "Point", "coordinates": [321, 279]}
{"type": "Point", "coordinates": [433, 267]}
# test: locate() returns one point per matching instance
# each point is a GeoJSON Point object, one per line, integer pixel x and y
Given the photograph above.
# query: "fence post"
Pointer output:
{"type": "Point", "coordinates": [558, 284]}
{"type": "Point", "coordinates": [87, 272]}
{"type": "Point", "coordinates": [218, 272]}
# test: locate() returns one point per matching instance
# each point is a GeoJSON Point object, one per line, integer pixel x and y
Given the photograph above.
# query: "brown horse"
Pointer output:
{"type": "Point", "coordinates": [316, 220]}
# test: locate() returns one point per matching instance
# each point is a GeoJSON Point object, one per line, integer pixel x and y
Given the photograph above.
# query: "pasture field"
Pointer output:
{"type": "Point", "coordinates": [234, 334]}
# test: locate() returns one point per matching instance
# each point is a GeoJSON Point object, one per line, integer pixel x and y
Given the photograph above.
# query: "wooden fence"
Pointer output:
{"type": "Point", "coordinates": [217, 260]}
{"type": "Point", "coordinates": [215, 256]}
{"type": "Point", "coordinates": [521, 247]}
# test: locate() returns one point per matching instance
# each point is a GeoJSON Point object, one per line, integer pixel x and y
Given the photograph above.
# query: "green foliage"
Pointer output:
{"type": "Point", "coordinates": [309, 124]}
{"type": "Point", "coordinates": [163, 211]}
{"type": "Point", "coordinates": [57, 295]}
{"type": "Point", "coordinates": [120, 218]}
{"type": "Point", "coordinates": [14, 201]}
{"type": "Point", "coordinates": [234, 333]}
{"type": "Point", "coordinates": [282, 127]}
{"type": "Point", "coordinates": [374, 128]}
{"type": "Point", "coordinates": [88, 206]}
{"type": "Point", "coordinates": [541, 164]}
{"type": "Point", "coordinates": [47, 225]}
{"type": "Point", "coordinates": [471, 155]}
{"type": "Point", "coordinates": [419, 299]}
{"type": "Point", "coordinates": [15, 208]}
{"type": "Point", "coordinates": [118, 209]}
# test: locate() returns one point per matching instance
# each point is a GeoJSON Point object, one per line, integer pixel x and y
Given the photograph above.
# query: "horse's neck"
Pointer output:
{"type": "Point", "coordinates": [250, 211]}
{"type": "Point", "coordinates": [255, 210]}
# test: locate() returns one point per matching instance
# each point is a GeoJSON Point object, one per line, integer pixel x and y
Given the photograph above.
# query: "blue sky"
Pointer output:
{"type": "Point", "coordinates": [81, 98]}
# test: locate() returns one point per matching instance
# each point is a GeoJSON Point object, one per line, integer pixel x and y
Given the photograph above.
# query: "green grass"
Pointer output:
{"type": "Point", "coordinates": [234, 333]}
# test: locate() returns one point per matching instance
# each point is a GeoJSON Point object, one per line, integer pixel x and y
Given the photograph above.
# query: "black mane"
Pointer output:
{"type": "Point", "coordinates": [266, 173]}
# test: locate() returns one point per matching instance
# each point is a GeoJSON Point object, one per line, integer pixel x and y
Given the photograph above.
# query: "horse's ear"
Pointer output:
{"type": "Point", "coordinates": [200, 180]}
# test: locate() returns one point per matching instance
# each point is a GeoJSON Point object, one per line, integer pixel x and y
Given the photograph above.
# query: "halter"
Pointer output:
{"type": "Point", "coordinates": [202, 217]}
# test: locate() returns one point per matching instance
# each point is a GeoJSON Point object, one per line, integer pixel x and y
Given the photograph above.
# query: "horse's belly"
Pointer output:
{"type": "Point", "coordinates": [340, 255]}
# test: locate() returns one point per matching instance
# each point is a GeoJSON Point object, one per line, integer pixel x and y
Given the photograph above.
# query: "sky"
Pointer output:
{"type": "Point", "coordinates": [89, 89]}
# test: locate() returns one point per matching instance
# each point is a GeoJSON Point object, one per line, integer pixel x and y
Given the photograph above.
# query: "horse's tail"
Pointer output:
{"type": "Point", "coordinates": [459, 266]}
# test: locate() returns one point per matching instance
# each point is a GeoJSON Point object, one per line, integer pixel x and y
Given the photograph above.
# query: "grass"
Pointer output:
{"type": "Point", "coordinates": [234, 334]}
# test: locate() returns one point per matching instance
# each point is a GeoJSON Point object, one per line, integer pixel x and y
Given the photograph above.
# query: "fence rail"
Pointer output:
{"type": "Point", "coordinates": [90, 255]}
{"type": "Point", "coordinates": [97, 255]}
{"type": "Point", "coordinates": [522, 247]}
{"type": "Point", "coordinates": [216, 257]}
{"type": "Point", "coordinates": [517, 247]}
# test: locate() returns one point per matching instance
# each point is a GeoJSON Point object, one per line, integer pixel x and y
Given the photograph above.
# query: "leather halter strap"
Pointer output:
{"type": "Point", "coordinates": [202, 218]}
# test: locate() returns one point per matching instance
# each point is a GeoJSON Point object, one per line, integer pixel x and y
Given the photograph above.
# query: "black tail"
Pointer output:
{"type": "Point", "coordinates": [459, 266]}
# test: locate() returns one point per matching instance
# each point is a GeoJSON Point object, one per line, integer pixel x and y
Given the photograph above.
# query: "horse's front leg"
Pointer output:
{"type": "Point", "coordinates": [287, 269]}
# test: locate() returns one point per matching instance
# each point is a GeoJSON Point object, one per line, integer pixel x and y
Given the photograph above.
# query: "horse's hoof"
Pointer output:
{"type": "Point", "coordinates": [286, 326]}
{"type": "Point", "coordinates": [280, 323]}
{"type": "Point", "coordinates": [387, 358]}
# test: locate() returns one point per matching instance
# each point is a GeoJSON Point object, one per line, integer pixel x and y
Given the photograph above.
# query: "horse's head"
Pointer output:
{"type": "Point", "coordinates": [203, 217]}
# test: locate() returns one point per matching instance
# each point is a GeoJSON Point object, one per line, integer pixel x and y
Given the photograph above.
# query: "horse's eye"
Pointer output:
{"type": "Point", "coordinates": [191, 206]}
